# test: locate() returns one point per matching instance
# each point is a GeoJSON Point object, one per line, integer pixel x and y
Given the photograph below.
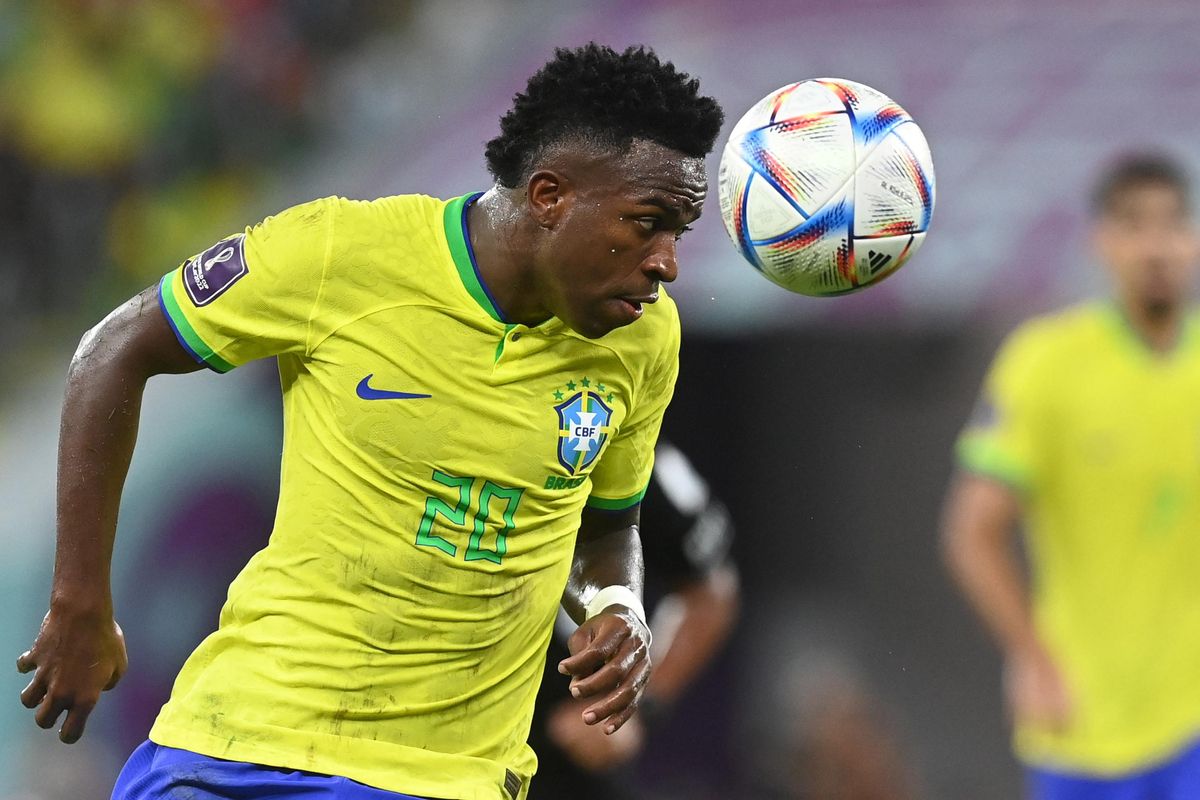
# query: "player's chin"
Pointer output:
{"type": "Point", "coordinates": [606, 317]}
{"type": "Point", "coordinates": [1160, 305]}
{"type": "Point", "coordinates": [1160, 297]}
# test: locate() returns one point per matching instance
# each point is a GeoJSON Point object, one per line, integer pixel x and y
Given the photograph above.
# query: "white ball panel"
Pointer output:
{"type": "Point", "coordinates": [731, 182]}
{"type": "Point", "coordinates": [914, 138]}
{"type": "Point", "coordinates": [758, 115]}
{"type": "Point", "coordinates": [813, 259]}
{"type": "Point", "coordinates": [811, 156]}
{"type": "Point", "coordinates": [888, 196]}
{"type": "Point", "coordinates": [862, 99]}
{"type": "Point", "coordinates": [768, 213]}
{"type": "Point", "coordinates": [808, 97]}
{"type": "Point", "coordinates": [875, 259]}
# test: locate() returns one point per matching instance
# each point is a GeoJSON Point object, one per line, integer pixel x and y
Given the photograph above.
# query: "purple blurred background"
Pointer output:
{"type": "Point", "coordinates": [135, 134]}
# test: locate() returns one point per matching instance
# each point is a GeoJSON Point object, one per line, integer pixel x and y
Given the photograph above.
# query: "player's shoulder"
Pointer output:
{"type": "Point", "coordinates": [378, 216]}
{"type": "Point", "coordinates": [343, 217]}
{"type": "Point", "coordinates": [1065, 334]}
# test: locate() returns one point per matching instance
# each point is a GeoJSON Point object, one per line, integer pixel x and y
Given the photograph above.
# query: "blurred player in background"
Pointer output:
{"type": "Point", "coordinates": [469, 423]}
{"type": "Point", "coordinates": [1088, 434]}
{"type": "Point", "coordinates": [687, 537]}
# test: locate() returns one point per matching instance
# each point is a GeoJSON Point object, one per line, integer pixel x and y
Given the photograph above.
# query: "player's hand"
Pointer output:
{"type": "Point", "coordinates": [1035, 689]}
{"type": "Point", "coordinates": [610, 662]}
{"type": "Point", "coordinates": [587, 745]}
{"type": "Point", "coordinates": [73, 660]}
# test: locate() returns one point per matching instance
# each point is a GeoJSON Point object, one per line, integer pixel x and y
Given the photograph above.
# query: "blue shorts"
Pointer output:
{"type": "Point", "coordinates": [1177, 779]}
{"type": "Point", "coordinates": [155, 772]}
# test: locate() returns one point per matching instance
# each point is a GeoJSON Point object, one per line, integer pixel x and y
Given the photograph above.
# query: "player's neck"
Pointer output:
{"type": "Point", "coordinates": [1158, 328]}
{"type": "Point", "coordinates": [501, 249]}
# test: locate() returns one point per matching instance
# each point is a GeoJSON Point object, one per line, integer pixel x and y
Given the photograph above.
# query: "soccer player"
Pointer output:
{"type": "Point", "coordinates": [1088, 433]}
{"type": "Point", "coordinates": [469, 421]}
{"type": "Point", "coordinates": [688, 536]}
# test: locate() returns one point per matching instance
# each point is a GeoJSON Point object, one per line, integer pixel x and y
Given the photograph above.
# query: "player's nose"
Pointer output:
{"type": "Point", "coordinates": [662, 264]}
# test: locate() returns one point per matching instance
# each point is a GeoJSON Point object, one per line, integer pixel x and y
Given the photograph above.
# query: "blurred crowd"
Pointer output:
{"type": "Point", "coordinates": [132, 134]}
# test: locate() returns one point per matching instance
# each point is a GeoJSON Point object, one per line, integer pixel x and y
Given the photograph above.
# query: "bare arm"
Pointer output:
{"type": "Point", "coordinates": [608, 551]}
{"type": "Point", "coordinates": [80, 651]}
{"type": "Point", "coordinates": [979, 527]}
{"type": "Point", "coordinates": [690, 626]}
{"type": "Point", "coordinates": [610, 653]}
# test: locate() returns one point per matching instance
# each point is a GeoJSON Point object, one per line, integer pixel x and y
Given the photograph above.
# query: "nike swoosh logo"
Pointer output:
{"type": "Point", "coordinates": [368, 392]}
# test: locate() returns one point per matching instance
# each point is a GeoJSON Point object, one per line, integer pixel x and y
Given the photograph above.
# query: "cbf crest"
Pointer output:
{"type": "Point", "coordinates": [584, 418]}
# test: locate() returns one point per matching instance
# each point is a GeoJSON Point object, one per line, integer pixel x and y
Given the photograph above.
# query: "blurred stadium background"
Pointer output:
{"type": "Point", "coordinates": [133, 134]}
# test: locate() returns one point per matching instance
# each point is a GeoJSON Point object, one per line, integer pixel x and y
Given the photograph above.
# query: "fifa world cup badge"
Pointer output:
{"type": "Point", "coordinates": [210, 274]}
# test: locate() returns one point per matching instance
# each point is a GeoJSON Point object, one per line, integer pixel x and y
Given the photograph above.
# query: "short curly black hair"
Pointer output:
{"type": "Point", "coordinates": [608, 97]}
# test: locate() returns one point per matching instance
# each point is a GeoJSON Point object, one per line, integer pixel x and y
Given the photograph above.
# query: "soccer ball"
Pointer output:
{"type": "Point", "coordinates": [826, 186]}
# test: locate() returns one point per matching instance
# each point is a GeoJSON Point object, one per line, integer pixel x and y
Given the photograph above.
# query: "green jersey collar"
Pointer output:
{"type": "Point", "coordinates": [1120, 323]}
{"type": "Point", "coordinates": [455, 220]}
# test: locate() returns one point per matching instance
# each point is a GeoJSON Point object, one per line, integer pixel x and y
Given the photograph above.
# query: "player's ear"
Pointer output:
{"type": "Point", "coordinates": [547, 196]}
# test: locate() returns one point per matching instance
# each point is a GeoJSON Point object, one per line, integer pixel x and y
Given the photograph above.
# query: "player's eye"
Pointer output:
{"type": "Point", "coordinates": [647, 223]}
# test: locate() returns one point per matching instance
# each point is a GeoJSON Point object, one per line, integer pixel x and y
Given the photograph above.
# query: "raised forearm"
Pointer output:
{"type": "Point", "coordinates": [608, 552]}
{"type": "Point", "coordinates": [610, 651]}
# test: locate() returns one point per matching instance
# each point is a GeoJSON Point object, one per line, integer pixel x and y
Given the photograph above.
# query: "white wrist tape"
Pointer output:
{"type": "Point", "coordinates": [615, 596]}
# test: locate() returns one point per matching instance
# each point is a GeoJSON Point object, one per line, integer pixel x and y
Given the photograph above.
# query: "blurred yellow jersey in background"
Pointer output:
{"type": "Point", "coordinates": [436, 460]}
{"type": "Point", "coordinates": [1102, 438]}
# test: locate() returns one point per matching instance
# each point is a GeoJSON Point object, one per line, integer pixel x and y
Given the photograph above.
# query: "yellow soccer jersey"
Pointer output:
{"type": "Point", "coordinates": [1102, 438]}
{"type": "Point", "coordinates": [435, 464]}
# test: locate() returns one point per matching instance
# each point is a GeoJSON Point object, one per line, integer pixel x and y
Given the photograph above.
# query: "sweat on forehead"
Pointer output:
{"type": "Point", "coordinates": [641, 164]}
{"type": "Point", "coordinates": [648, 162]}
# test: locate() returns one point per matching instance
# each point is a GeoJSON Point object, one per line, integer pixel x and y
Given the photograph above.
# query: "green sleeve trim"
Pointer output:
{"type": "Point", "coordinates": [184, 332]}
{"type": "Point", "coordinates": [981, 454]}
{"type": "Point", "coordinates": [604, 504]}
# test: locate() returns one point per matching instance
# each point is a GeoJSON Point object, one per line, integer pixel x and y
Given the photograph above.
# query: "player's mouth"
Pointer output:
{"type": "Point", "coordinates": [633, 303]}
